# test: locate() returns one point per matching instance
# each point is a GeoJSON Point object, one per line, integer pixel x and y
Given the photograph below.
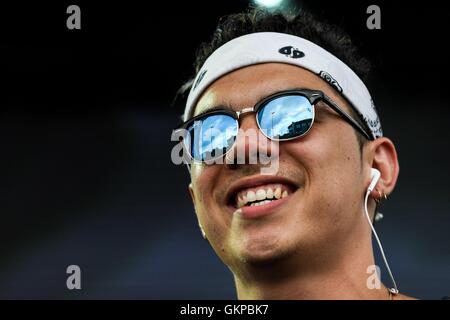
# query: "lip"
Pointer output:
{"type": "Point", "coordinates": [262, 210]}
{"type": "Point", "coordinates": [255, 181]}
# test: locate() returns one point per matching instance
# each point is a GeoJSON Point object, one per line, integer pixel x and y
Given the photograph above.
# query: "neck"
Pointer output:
{"type": "Point", "coordinates": [342, 275]}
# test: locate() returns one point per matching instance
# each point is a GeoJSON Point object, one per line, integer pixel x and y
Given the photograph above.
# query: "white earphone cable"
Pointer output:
{"type": "Point", "coordinates": [395, 289]}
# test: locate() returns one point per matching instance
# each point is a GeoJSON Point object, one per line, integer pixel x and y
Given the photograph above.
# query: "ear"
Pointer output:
{"type": "Point", "coordinates": [384, 158]}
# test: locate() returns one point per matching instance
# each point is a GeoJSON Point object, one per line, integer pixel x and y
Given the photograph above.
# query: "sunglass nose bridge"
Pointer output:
{"type": "Point", "coordinates": [244, 111]}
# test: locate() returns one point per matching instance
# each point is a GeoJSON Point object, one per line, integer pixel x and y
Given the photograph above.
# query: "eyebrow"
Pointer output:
{"type": "Point", "coordinates": [215, 108]}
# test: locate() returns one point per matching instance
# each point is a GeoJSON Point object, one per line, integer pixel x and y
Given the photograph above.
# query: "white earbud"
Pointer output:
{"type": "Point", "coordinates": [375, 174]}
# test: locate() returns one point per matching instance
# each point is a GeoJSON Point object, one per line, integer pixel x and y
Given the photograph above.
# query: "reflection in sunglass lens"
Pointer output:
{"type": "Point", "coordinates": [286, 117]}
{"type": "Point", "coordinates": [211, 137]}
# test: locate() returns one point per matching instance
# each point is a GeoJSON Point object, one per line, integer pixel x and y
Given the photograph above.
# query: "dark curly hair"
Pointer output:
{"type": "Point", "coordinates": [305, 25]}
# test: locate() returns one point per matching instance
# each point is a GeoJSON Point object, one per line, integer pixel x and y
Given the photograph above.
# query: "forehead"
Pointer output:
{"type": "Point", "coordinates": [244, 87]}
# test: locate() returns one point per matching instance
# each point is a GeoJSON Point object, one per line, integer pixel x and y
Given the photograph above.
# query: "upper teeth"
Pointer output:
{"type": "Point", "coordinates": [262, 195]}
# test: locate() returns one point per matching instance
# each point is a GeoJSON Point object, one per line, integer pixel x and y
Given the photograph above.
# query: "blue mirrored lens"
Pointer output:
{"type": "Point", "coordinates": [286, 117]}
{"type": "Point", "coordinates": [212, 136]}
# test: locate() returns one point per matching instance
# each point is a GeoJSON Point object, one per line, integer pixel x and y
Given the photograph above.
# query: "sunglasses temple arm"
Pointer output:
{"type": "Point", "coordinates": [349, 119]}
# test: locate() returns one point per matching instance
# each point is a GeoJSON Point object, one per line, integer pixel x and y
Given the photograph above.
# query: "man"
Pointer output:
{"type": "Point", "coordinates": [301, 231]}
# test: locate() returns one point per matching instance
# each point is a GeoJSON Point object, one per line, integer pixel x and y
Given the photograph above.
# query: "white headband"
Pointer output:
{"type": "Point", "coordinates": [263, 47]}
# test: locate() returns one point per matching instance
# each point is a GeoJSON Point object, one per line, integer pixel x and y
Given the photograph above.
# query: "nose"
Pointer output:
{"type": "Point", "coordinates": [251, 146]}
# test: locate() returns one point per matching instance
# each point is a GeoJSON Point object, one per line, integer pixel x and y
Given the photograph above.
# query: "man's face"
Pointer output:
{"type": "Point", "coordinates": [322, 171]}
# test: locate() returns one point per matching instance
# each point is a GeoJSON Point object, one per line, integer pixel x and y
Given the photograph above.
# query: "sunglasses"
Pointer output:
{"type": "Point", "coordinates": [282, 116]}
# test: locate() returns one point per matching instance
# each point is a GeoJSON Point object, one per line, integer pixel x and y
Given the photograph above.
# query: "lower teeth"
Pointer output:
{"type": "Point", "coordinates": [255, 204]}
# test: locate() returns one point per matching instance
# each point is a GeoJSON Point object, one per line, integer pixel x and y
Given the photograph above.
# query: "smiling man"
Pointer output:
{"type": "Point", "coordinates": [300, 232]}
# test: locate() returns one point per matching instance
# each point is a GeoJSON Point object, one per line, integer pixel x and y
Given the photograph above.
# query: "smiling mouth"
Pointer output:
{"type": "Point", "coordinates": [261, 195]}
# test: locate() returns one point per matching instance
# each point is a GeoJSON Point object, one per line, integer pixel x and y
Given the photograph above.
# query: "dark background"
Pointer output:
{"type": "Point", "coordinates": [85, 123]}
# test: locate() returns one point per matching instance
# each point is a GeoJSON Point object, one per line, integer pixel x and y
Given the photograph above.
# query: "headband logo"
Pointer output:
{"type": "Point", "coordinates": [200, 78]}
{"type": "Point", "coordinates": [292, 52]}
{"type": "Point", "coordinates": [372, 104]}
{"type": "Point", "coordinates": [328, 78]}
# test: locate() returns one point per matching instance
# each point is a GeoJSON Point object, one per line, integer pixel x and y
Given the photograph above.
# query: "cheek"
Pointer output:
{"type": "Point", "coordinates": [329, 154]}
{"type": "Point", "coordinates": [332, 166]}
{"type": "Point", "coordinates": [204, 180]}
{"type": "Point", "coordinates": [215, 224]}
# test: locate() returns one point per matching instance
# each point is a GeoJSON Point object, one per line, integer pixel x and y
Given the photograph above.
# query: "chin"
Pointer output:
{"type": "Point", "coordinates": [262, 250]}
